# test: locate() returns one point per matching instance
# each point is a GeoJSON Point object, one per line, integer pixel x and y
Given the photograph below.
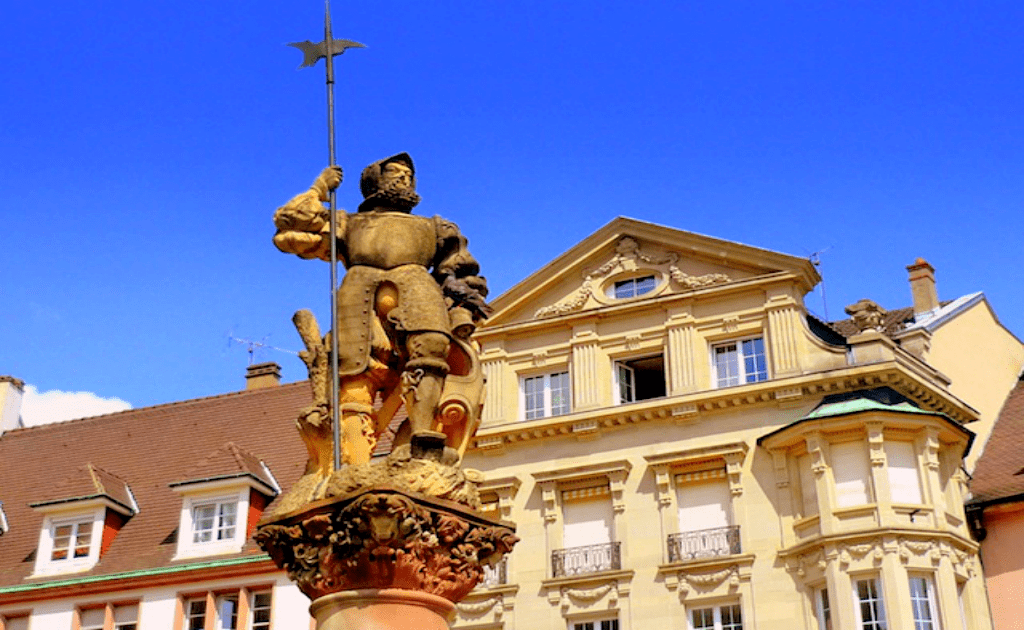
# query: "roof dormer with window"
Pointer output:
{"type": "Point", "coordinates": [80, 521]}
{"type": "Point", "coordinates": [222, 500]}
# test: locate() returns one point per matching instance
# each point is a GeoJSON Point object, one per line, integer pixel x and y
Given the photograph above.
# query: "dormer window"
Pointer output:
{"type": "Point", "coordinates": [221, 501]}
{"type": "Point", "coordinates": [214, 521]}
{"type": "Point", "coordinates": [81, 520]}
{"type": "Point", "coordinates": [633, 287]}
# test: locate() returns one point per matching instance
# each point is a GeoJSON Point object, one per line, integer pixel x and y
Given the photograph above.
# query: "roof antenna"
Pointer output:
{"type": "Point", "coordinates": [257, 346]}
{"type": "Point", "coordinates": [815, 259]}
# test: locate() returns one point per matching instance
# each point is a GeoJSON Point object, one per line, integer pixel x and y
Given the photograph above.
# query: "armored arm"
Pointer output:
{"type": "Point", "coordinates": [458, 272]}
{"type": "Point", "coordinates": [303, 224]}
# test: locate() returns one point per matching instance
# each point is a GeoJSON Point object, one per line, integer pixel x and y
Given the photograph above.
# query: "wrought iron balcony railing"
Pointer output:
{"type": "Point", "coordinates": [589, 559]}
{"type": "Point", "coordinates": [496, 575]}
{"type": "Point", "coordinates": [704, 543]}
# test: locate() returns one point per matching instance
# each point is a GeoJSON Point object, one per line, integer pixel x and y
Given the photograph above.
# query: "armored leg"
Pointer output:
{"type": "Point", "coordinates": [422, 381]}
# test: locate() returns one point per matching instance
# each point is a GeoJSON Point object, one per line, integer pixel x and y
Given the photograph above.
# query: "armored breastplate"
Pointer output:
{"type": "Point", "coordinates": [386, 240]}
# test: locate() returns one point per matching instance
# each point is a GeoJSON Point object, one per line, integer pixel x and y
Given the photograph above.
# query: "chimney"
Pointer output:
{"type": "Point", "coordinates": [11, 390]}
{"type": "Point", "coordinates": [261, 375]}
{"type": "Point", "coordinates": [922, 286]}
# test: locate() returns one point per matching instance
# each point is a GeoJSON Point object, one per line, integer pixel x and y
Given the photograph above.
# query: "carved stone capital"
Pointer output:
{"type": "Point", "coordinates": [381, 538]}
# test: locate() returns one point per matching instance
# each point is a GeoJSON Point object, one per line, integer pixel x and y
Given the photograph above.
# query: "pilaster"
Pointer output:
{"type": "Point", "coordinates": [682, 353]}
{"type": "Point", "coordinates": [783, 329]}
{"type": "Point", "coordinates": [585, 374]}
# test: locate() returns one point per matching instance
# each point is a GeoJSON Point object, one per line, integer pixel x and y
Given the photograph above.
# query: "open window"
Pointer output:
{"type": "Point", "coordinates": [639, 379]}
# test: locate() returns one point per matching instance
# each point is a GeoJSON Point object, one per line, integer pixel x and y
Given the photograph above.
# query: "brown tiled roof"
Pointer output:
{"type": "Point", "coordinates": [88, 482]}
{"type": "Point", "coordinates": [227, 461]}
{"type": "Point", "coordinates": [892, 322]}
{"type": "Point", "coordinates": [148, 448]}
{"type": "Point", "coordinates": [998, 473]}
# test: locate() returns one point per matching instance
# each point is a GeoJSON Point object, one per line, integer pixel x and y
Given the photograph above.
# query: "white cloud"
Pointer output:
{"type": "Point", "coordinates": [54, 406]}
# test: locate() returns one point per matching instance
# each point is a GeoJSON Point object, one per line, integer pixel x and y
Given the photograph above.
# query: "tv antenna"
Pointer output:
{"type": "Point", "coordinates": [815, 259]}
{"type": "Point", "coordinates": [253, 346]}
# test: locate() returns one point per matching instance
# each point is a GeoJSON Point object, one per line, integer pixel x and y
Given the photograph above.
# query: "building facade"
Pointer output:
{"type": "Point", "coordinates": [680, 443]}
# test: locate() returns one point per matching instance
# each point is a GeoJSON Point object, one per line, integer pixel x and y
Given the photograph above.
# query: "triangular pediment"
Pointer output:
{"type": "Point", "coordinates": [627, 250]}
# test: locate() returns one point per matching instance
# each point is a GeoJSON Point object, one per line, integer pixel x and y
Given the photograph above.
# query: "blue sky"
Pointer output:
{"type": "Point", "coordinates": [145, 146]}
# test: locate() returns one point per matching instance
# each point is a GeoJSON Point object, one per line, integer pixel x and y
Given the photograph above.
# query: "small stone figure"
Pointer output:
{"type": "Point", "coordinates": [410, 282]}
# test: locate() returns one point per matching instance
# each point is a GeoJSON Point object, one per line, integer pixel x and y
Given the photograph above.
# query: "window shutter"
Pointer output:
{"type": "Point", "coordinates": [587, 522]}
{"type": "Point", "coordinates": [851, 471]}
{"type": "Point", "coordinates": [904, 482]}
{"type": "Point", "coordinates": [704, 505]}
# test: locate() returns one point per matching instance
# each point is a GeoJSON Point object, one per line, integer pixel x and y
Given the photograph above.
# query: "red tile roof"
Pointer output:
{"type": "Point", "coordinates": [88, 482]}
{"type": "Point", "coordinates": [227, 461]}
{"type": "Point", "coordinates": [149, 449]}
{"type": "Point", "coordinates": [998, 473]}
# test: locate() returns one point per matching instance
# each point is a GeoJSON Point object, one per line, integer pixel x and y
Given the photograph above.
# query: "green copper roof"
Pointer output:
{"type": "Point", "coordinates": [857, 405]}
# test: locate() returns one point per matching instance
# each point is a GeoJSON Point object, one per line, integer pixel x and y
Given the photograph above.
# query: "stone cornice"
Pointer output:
{"type": "Point", "coordinates": [873, 534]}
{"type": "Point", "coordinates": [690, 407]}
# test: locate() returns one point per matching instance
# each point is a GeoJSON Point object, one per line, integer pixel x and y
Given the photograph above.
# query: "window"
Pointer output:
{"type": "Point", "coordinates": [904, 483]}
{"type": "Point", "coordinates": [705, 518]}
{"type": "Point", "coordinates": [738, 362]}
{"type": "Point", "coordinates": [640, 379]}
{"type": "Point", "coordinates": [195, 614]}
{"type": "Point", "coordinates": [922, 601]}
{"type": "Point", "coordinates": [728, 617]}
{"type": "Point", "coordinates": [261, 611]}
{"type": "Point", "coordinates": [870, 607]}
{"type": "Point", "coordinates": [14, 622]}
{"type": "Point", "coordinates": [214, 521]}
{"type": "Point", "coordinates": [633, 287]}
{"type": "Point", "coordinates": [109, 617]}
{"type": "Point", "coordinates": [604, 624]}
{"type": "Point", "coordinates": [851, 471]}
{"type": "Point", "coordinates": [823, 609]}
{"type": "Point", "coordinates": [546, 395]}
{"type": "Point", "coordinates": [587, 533]}
{"type": "Point", "coordinates": [226, 610]}
{"type": "Point", "coordinates": [71, 540]}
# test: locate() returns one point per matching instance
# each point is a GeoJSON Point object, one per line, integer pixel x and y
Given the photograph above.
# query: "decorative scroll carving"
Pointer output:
{"type": "Point", "coordinates": [479, 608]}
{"type": "Point", "coordinates": [866, 315]}
{"type": "Point", "coordinates": [628, 249]}
{"type": "Point", "coordinates": [381, 538]}
{"type": "Point", "coordinates": [708, 580]}
{"type": "Point", "coordinates": [908, 547]}
{"type": "Point", "coordinates": [847, 552]}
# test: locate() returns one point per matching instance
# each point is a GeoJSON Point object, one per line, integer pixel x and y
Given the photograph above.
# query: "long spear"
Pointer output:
{"type": "Point", "coordinates": [312, 53]}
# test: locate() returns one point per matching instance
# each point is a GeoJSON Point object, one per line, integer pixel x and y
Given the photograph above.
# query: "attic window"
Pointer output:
{"type": "Point", "coordinates": [634, 287]}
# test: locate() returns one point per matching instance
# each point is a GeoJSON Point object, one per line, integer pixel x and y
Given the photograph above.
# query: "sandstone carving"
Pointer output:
{"type": "Point", "coordinates": [628, 249]}
{"type": "Point", "coordinates": [866, 315]}
{"type": "Point", "coordinates": [405, 312]}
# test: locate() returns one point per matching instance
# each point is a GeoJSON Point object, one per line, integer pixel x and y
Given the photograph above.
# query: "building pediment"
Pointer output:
{"type": "Point", "coordinates": [630, 260]}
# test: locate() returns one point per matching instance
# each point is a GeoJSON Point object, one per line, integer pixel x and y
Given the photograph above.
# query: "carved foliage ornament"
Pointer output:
{"type": "Point", "coordinates": [627, 251]}
{"type": "Point", "coordinates": [384, 539]}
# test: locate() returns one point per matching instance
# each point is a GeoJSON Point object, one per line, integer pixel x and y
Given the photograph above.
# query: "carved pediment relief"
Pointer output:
{"type": "Point", "coordinates": [641, 270]}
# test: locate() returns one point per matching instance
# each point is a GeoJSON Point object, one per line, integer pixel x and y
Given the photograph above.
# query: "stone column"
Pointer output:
{"type": "Point", "coordinates": [585, 373]}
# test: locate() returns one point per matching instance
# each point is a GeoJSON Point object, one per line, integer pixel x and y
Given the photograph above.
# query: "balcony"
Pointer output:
{"type": "Point", "coordinates": [496, 575]}
{"type": "Point", "coordinates": [704, 543]}
{"type": "Point", "coordinates": [589, 559]}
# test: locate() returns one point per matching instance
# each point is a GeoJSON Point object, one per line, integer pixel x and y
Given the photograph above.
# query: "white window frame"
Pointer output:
{"type": "Point", "coordinates": [187, 547]}
{"type": "Point", "coordinates": [255, 608]}
{"type": "Point", "coordinates": [220, 525]}
{"type": "Point", "coordinates": [46, 565]}
{"type": "Point", "coordinates": [742, 374]}
{"type": "Point", "coordinates": [823, 608]}
{"type": "Point", "coordinates": [611, 623]}
{"type": "Point", "coordinates": [547, 409]}
{"type": "Point", "coordinates": [621, 367]}
{"type": "Point", "coordinates": [613, 287]}
{"type": "Point", "coordinates": [880, 622]}
{"type": "Point", "coordinates": [716, 612]}
{"type": "Point", "coordinates": [927, 600]}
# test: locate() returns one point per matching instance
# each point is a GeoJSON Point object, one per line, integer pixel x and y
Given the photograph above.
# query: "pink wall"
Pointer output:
{"type": "Point", "coordinates": [1002, 553]}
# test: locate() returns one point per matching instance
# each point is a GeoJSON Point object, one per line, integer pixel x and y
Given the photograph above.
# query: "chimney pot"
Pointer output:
{"type": "Point", "coordinates": [922, 286]}
{"type": "Point", "coordinates": [261, 375]}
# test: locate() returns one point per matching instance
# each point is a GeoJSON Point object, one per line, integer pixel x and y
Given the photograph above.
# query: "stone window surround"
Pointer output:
{"type": "Point", "coordinates": [245, 595]}
{"type": "Point", "coordinates": [579, 594]}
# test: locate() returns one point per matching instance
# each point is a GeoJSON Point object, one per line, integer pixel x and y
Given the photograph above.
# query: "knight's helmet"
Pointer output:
{"type": "Point", "coordinates": [370, 180]}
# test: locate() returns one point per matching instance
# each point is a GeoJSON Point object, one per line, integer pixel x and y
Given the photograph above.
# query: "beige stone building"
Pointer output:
{"type": "Point", "coordinates": [680, 443]}
{"type": "Point", "coordinates": [683, 445]}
